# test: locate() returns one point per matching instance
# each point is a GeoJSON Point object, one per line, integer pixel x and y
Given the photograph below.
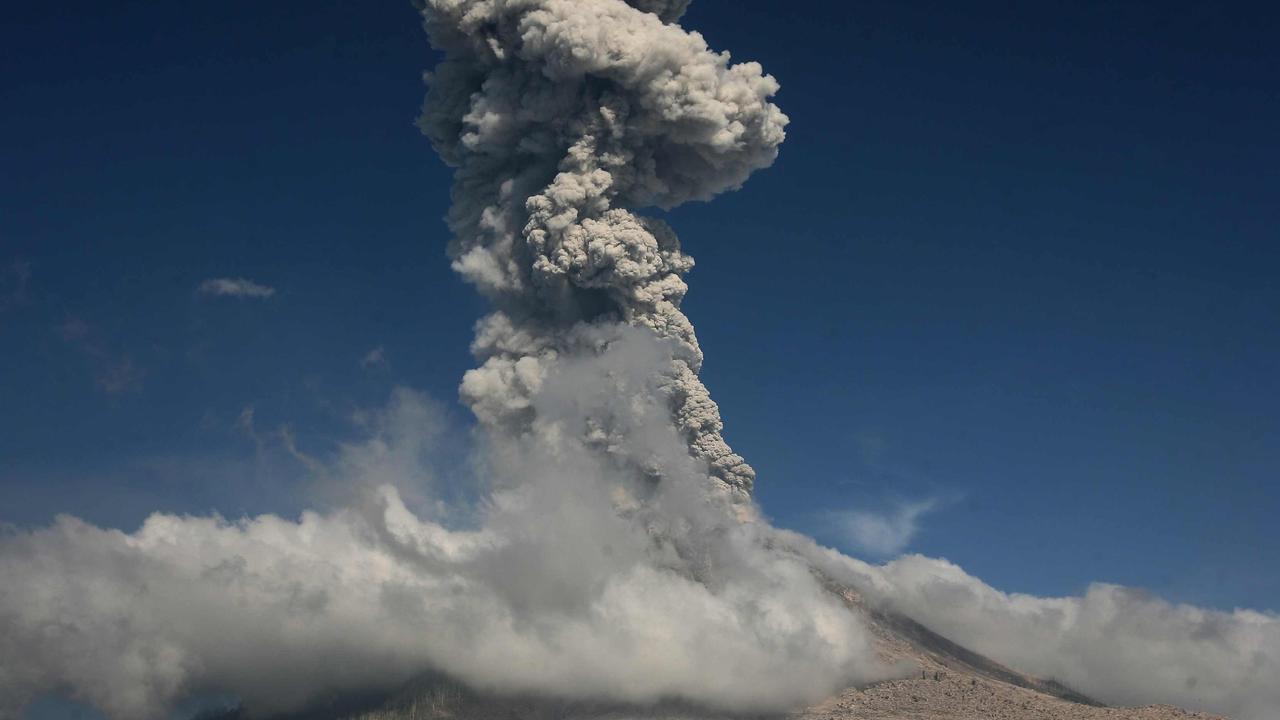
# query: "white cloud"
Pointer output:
{"type": "Point", "coordinates": [883, 534]}
{"type": "Point", "coordinates": [115, 373]}
{"type": "Point", "coordinates": [571, 576]}
{"type": "Point", "coordinates": [375, 358]}
{"type": "Point", "coordinates": [13, 284]}
{"type": "Point", "coordinates": [1120, 645]}
{"type": "Point", "coordinates": [235, 287]}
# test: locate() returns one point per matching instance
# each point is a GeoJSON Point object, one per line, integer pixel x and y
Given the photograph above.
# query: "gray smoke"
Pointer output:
{"type": "Point", "coordinates": [575, 580]}
{"type": "Point", "coordinates": [614, 551]}
{"type": "Point", "coordinates": [613, 554]}
{"type": "Point", "coordinates": [561, 117]}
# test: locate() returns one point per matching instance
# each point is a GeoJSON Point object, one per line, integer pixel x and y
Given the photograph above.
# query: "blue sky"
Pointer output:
{"type": "Point", "coordinates": [1015, 266]}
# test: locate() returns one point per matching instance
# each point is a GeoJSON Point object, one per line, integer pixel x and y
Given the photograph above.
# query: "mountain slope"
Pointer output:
{"type": "Point", "coordinates": [939, 680]}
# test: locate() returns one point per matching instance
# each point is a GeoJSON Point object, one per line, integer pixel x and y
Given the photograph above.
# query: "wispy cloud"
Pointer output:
{"type": "Point", "coordinates": [114, 373]}
{"type": "Point", "coordinates": [13, 284]}
{"type": "Point", "coordinates": [375, 358]}
{"type": "Point", "coordinates": [883, 534]}
{"type": "Point", "coordinates": [73, 330]}
{"type": "Point", "coordinates": [236, 288]}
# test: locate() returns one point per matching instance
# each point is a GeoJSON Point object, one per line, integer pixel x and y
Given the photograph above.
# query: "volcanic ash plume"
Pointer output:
{"type": "Point", "coordinates": [609, 550]}
{"type": "Point", "coordinates": [561, 117]}
{"type": "Point", "coordinates": [611, 553]}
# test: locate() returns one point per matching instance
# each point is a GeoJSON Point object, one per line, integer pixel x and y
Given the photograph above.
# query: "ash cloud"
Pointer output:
{"type": "Point", "coordinates": [562, 118]}
{"type": "Point", "coordinates": [613, 551]}
{"type": "Point", "coordinates": [575, 579]}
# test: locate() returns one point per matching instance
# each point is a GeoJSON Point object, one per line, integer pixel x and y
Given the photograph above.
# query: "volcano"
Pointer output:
{"type": "Point", "coordinates": [937, 679]}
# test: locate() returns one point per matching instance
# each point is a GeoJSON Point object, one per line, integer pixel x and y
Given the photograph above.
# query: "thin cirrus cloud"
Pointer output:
{"type": "Point", "coordinates": [236, 288]}
{"type": "Point", "coordinates": [115, 373]}
{"type": "Point", "coordinates": [375, 358]}
{"type": "Point", "coordinates": [883, 534]}
{"type": "Point", "coordinates": [13, 284]}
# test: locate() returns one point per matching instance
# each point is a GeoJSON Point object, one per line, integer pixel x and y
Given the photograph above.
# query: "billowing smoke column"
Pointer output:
{"type": "Point", "coordinates": [561, 117]}
{"type": "Point", "coordinates": [612, 553]}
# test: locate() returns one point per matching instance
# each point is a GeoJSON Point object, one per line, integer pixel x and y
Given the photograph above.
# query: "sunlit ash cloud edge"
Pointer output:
{"type": "Point", "coordinates": [615, 551]}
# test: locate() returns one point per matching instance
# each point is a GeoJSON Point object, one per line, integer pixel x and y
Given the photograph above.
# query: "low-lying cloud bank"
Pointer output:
{"type": "Point", "coordinates": [577, 579]}
{"type": "Point", "coordinates": [574, 580]}
{"type": "Point", "coordinates": [1120, 645]}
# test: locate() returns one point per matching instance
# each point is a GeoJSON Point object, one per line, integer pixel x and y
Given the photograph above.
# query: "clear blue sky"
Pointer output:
{"type": "Point", "coordinates": [1021, 261]}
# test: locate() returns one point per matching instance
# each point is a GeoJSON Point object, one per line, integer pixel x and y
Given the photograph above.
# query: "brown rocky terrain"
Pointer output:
{"type": "Point", "coordinates": [938, 696]}
{"type": "Point", "coordinates": [960, 697]}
